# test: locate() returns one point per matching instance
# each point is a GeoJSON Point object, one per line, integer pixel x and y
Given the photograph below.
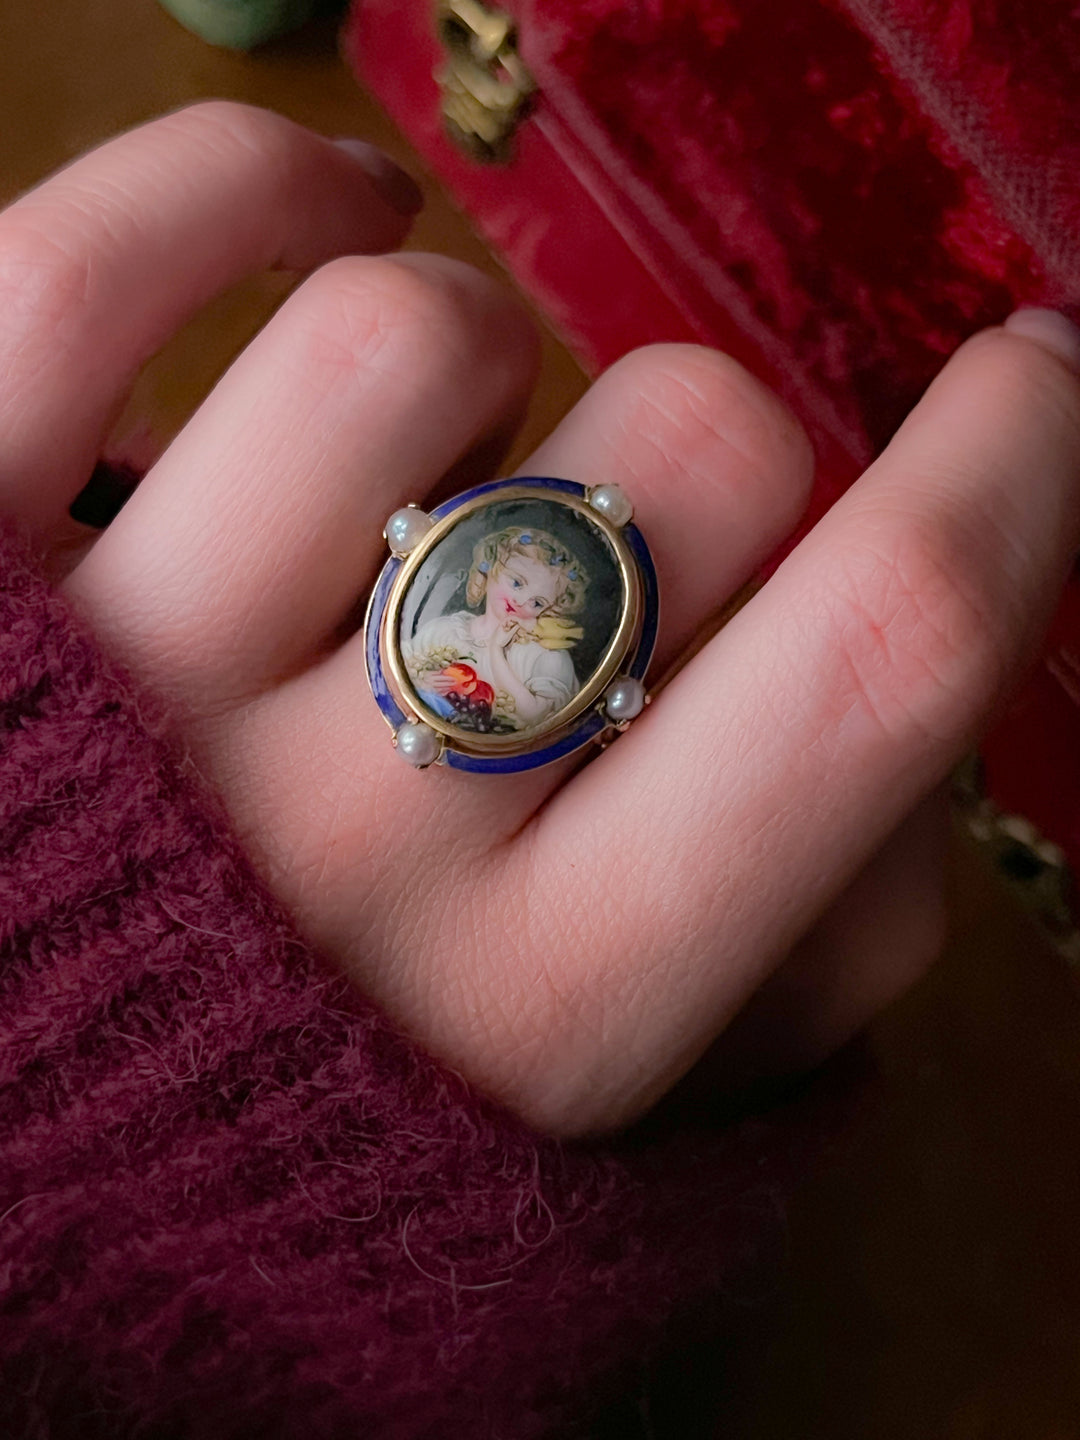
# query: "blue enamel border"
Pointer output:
{"type": "Point", "coordinates": [592, 723]}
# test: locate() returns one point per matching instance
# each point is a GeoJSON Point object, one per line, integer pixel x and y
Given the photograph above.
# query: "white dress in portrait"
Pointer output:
{"type": "Point", "coordinates": [548, 674]}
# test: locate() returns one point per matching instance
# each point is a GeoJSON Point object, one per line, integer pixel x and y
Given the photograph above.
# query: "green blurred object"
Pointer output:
{"type": "Point", "coordinates": [242, 24]}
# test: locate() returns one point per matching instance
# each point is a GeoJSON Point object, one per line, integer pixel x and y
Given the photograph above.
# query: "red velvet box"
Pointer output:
{"type": "Point", "coordinates": [835, 193]}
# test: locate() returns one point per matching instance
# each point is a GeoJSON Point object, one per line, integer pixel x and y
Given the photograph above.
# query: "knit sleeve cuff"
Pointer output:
{"type": "Point", "coordinates": [233, 1199]}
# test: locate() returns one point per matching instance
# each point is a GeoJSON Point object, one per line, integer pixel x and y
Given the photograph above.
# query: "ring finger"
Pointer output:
{"type": "Point", "coordinates": [719, 473]}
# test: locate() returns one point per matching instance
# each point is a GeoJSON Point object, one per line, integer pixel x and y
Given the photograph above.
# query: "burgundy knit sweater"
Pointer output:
{"type": "Point", "coordinates": [234, 1201]}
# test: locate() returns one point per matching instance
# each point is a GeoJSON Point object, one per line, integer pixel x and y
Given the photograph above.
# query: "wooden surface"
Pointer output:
{"type": "Point", "coordinates": [934, 1288]}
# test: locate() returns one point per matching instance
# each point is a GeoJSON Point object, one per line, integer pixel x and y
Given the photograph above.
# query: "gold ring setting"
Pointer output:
{"type": "Point", "coordinates": [512, 625]}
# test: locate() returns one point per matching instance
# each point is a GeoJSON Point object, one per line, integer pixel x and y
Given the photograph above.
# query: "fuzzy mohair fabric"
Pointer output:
{"type": "Point", "coordinates": [234, 1202]}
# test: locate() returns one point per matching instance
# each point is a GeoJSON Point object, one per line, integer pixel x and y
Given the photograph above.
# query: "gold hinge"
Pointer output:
{"type": "Point", "coordinates": [486, 90]}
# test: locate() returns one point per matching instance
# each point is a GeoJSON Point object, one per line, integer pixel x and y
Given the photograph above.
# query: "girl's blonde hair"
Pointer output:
{"type": "Point", "coordinates": [492, 552]}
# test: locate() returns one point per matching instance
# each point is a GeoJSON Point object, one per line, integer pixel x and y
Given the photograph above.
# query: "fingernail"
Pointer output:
{"type": "Point", "coordinates": [1050, 329]}
{"type": "Point", "coordinates": [399, 190]}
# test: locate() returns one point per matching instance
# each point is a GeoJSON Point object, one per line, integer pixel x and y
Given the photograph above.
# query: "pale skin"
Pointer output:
{"type": "Point", "coordinates": [517, 595]}
{"type": "Point", "coordinates": [783, 791]}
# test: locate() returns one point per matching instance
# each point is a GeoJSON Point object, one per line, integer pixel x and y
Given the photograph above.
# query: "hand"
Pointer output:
{"type": "Point", "coordinates": [439, 683]}
{"type": "Point", "coordinates": [764, 843]}
{"type": "Point", "coordinates": [493, 629]}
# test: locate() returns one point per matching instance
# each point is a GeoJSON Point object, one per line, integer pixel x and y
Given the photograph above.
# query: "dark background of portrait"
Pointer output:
{"type": "Point", "coordinates": [603, 599]}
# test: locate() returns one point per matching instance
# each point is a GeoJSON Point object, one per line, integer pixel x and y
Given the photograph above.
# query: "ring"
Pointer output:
{"type": "Point", "coordinates": [512, 625]}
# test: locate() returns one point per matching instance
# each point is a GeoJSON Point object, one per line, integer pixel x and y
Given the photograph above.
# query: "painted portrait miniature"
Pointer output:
{"type": "Point", "coordinates": [512, 625]}
{"type": "Point", "coordinates": [504, 661]}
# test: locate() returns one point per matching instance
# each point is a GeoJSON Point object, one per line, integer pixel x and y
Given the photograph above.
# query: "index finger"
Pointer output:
{"type": "Point", "coordinates": [779, 759]}
{"type": "Point", "coordinates": [104, 260]}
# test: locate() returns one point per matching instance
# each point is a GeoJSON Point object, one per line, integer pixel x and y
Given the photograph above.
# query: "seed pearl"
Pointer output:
{"type": "Point", "coordinates": [624, 698]}
{"type": "Point", "coordinates": [612, 503]}
{"type": "Point", "coordinates": [406, 528]}
{"type": "Point", "coordinates": [418, 744]}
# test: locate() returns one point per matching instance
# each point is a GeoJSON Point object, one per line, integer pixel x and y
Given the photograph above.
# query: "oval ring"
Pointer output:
{"type": "Point", "coordinates": [512, 625]}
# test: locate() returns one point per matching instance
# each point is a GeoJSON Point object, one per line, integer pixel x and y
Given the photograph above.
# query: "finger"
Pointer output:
{"type": "Point", "coordinates": [719, 473]}
{"type": "Point", "coordinates": [718, 469]}
{"type": "Point", "coordinates": [102, 262]}
{"type": "Point", "coordinates": [250, 540]}
{"type": "Point", "coordinates": [781, 757]}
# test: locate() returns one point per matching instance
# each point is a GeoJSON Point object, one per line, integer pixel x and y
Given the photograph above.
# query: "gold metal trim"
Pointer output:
{"type": "Point", "coordinates": [486, 90]}
{"type": "Point", "coordinates": [619, 647]}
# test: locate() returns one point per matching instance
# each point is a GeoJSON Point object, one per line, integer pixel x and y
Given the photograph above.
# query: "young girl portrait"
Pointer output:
{"type": "Point", "coordinates": [505, 663]}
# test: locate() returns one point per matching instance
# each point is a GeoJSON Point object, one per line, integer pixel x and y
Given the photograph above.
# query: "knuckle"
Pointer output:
{"type": "Point", "coordinates": [691, 402]}
{"type": "Point", "coordinates": [47, 236]}
{"type": "Point", "coordinates": [42, 280]}
{"type": "Point", "coordinates": [392, 313]}
{"type": "Point", "coordinates": [922, 633]}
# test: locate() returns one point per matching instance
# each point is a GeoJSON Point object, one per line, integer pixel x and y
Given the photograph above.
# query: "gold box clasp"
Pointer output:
{"type": "Point", "coordinates": [486, 90]}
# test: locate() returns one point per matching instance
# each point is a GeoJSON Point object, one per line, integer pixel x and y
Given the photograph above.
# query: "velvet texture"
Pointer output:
{"type": "Point", "coordinates": [837, 192]}
{"type": "Point", "coordinates": [827, 168]}
{"type": "Point", "coordinates": [234, 1202]}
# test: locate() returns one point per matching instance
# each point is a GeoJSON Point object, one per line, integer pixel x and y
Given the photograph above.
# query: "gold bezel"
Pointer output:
{"type": "Point", "coordinates": [621, 644]}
